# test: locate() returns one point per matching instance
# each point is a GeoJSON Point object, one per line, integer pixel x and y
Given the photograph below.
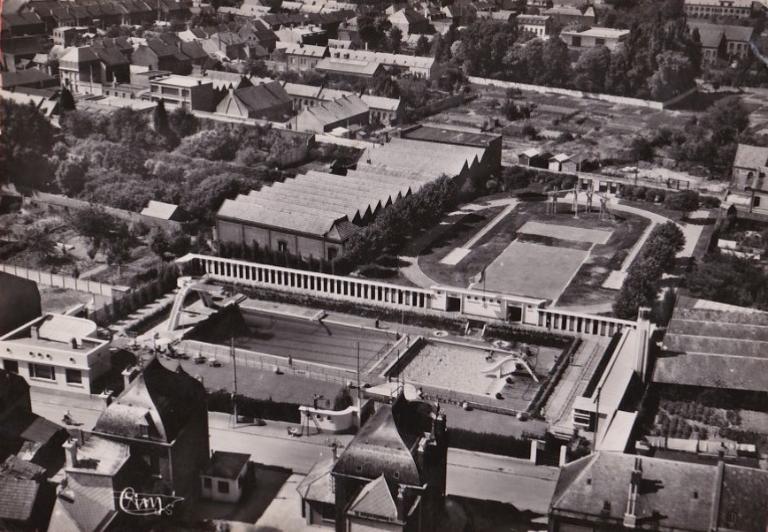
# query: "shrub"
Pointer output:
{"type": "Point", "coordinates": [489, 443]}
{"type": "Point", "coordinates": [221, 401]}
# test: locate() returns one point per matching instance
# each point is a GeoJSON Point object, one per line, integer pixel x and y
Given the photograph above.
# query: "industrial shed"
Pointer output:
{"type": "Point", "coordinates": [314, 214]}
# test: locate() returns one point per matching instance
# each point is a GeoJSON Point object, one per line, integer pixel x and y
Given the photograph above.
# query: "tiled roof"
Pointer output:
{"type": "Point", "coordinates": [376, 499]}
{"type": "Point", "coordinates": [317, 486]}
{"type": "Point", "coordinates": [263, 96]}
{"type": "Point", "coordinates": [685, 495]}
{"type": "Point", "coordinates": [347, 66]}
{"type": "Point", "coordinates": [17, 498]}
{"type": "Point", "coordinates": [715, 348]}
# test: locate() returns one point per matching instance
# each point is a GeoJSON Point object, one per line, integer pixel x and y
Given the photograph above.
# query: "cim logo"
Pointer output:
{"type": "Point", "coordinates": [145, 504]}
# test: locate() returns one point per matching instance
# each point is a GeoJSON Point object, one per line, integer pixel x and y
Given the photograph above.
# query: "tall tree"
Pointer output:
{"type": "Point", "coordinates": [66, 100]}
{"type": "Point", "coordinates": [160, 118]}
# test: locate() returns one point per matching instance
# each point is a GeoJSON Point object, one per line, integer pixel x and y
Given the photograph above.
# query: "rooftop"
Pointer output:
{"type": "Point", "coordinates": [99, 455]}
{"type": "Point", "coordinates": [17, 498]}
{"type": "Point", "coordinates": [179, 81]}
{"type": "Point", "coordinates": [715, 348]}
{"type": "Point", "coordinates": [226, 464]}
{"type": "Point", "coordinates": [599, 32]}
{"type": "Point", "coordinates": [450, 136]}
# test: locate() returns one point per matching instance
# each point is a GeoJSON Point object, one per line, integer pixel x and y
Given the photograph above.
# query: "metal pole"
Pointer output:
{"type": "Point", "coordinates": [597, 418]}
{"type": "Point", "coordinates": [359, 398]}
{"type": "Point", "coordinates": [234, 375]}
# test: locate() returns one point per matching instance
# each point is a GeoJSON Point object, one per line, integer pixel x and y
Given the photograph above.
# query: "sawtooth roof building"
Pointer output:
{"type": "Point", "coordinates": [314, 214]}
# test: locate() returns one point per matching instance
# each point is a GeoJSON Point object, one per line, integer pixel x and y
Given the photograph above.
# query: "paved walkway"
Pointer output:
{"type": "Point", "coordinates": [143, 313]}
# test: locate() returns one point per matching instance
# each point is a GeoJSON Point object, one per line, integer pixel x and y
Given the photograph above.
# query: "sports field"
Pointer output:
{"type": "Point", "coordinates": [302, 339]}
{"type": "Point", "coordinates": [533, 270]}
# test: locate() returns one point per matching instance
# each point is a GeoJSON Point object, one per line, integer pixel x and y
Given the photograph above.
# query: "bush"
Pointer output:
{"type": "Point", "coordinates": [221, 401]}
{"type": "Point", "coordinates": [487, 442]}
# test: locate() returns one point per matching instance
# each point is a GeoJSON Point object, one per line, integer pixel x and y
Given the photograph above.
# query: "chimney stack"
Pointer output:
{"type": "Point", "coordinates": [401, 503]}
{"type": "Point", "coordinates": [70, 452]}
{"type": "Point", "coordinates": [630, 516]}
{"type": "Point", "coordinates": [34, 332]}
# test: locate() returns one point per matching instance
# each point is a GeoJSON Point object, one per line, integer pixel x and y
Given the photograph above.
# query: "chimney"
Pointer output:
{"type": "Point", "coordinates": [335, 452]}
{"type": "Point", "coordinates": [70, 452]}
{"type": "Point", "coordinates": [73, 341]}
{"type": "Point", "coordinates": [643, 331]}
{"type": "Point", "coordinates": [128, 374]}
{"type": "Point", "coordinates": [630, 516]}
{"type": "Point", "coordinates": [401, 510]}
{"type": "Point", "coordinates": [34, 332]}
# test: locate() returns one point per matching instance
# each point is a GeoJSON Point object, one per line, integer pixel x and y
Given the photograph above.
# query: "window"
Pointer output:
{"type": "Point", "coordinates": [207, 483]}
{"type": "Point", "coordinates": [282, 246]}
{"type": "Point", "coordinates": [223, 486]}
{"type": "Point", "coordinates": [332, 253]}
{"type": "Point", "coordinates": [756, 201]}
{"type": "Point", "coordinates": [11, 366]}
{"type": "Point", "coordinates": [42, 371]}
{"type": "Point", "coordinates": [74, 376]}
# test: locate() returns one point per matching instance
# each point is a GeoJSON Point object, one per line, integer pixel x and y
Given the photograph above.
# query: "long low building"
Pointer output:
{"type": "Point", "coordinates": [313, 215]}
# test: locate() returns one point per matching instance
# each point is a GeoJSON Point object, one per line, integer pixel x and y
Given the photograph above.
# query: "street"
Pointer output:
{"type": "Point", "coordinates": [470, 474]}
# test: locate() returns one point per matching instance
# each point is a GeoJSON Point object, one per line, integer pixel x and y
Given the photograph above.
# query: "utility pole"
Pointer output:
{"type": "Point", "coordinates": [234, 376]}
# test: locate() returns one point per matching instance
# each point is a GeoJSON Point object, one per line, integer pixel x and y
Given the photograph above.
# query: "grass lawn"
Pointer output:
{"type": "Point", "coordinates": [586, 286]}
{"type": "Point", "coordinates": [54, 299]}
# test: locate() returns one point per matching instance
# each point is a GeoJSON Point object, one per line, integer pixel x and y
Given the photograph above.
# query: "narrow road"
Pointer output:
{"type": "Point", "coordinates": [470, 474]}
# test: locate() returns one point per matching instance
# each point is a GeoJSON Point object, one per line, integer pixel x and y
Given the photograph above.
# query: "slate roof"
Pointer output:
{"type": "Point", "coordinates": [225, 464]}
{"type": "Point", "coordinates": [382, 447]}
{"type": "Point", "coordinates": [376, 499]}
{"type": "Point", "coordinates": [159, 398]}
{"type": "Point", "coordinates": [672, 496]}
{"type": "Point", "coordinates": [317, 486]}
{"type": "Point", "coordinates": [17, 498]}
{"type": "Point", "coordinates": [263, 96]}
{"type": "Point", "coordinates": [751, 157]}
{"type": "Point", "coordinates": [714, 348]}
{"type": "Point", "coordinates": [340, 109]}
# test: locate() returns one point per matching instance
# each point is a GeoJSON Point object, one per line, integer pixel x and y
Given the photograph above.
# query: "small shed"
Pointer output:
{"type": "Point", "coordinates": [562, 162]}
{"type": "Point", "coordinates": [225, 477]}
{"type": "Point", "coordinates": [526, 158]}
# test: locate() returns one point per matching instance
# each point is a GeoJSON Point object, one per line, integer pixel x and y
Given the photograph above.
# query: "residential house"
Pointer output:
{"type": "Point", "coordinates": [83, 69]}
{"type": "Point", "coordinates": [564, 15]}
{"type": "Point", "coordinates": [420, 67]}
{"type": "Point", "coordinates": [96, 470]}
{"type": "Point", "coordinates": [749, 185]}
{"type": "Point", "coordinates": [226, 45]}
{"type": "Point", "coordinates": [349, 68]}
{"type": "Point", "coordinates": [409, 21]}
{"type": "Point", "coordinates": [611, 38]}
{"type": "Point", "coordinates": [20, 25]}
{"type": "Point", "coordinates": [136, 12]}
{"type": "Point", "coordinates": [711, 38]}
{"type": "Point", "coordinates": [68, 35]}
{"type": "Point", "coordinates": [392, 474]}
{"type": "Point", "coordinates": [158, 55]}
{"type": "Point", "coordinates": [173, 10]}
{"type": "Point", "coordinates": [17, 51]}
{"type": "Point", "coordinates": [723, 41]}
{"type": "Point", "coordinates": [163, 417]}
{"type": "Point", "coordinates": [57, 352]}
{"type": "Point", "coordinates": [386, 111]}
{"type": "Point", "coordinates": [537, 25]}
{"type": "Point", "coordinates": [265, 101]}
{"type": "Point", "coordinates": [31, 77]}
{"type": "Point", "coordinates": [301, 57]}
{"type": "Point", "coordinates": [187, 92]}
{"type": "Point", "coordinates": [305, 34]}
{"type": "Point", "coordinates": [226, 476]}
{"type": "Point", "coordinates": [538, 4]}
{"type": "Point", "coordinates": [342, 112]}
{"type": "Point", "coordinates": [718, 8]}
{"type": "Point", "coordinates": [257, 33]}
{"type": "Point", "coordinates": [615, 491]}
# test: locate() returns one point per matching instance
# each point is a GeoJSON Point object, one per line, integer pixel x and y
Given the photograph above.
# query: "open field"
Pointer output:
{"type": "Point", "coordinates": [533, 270]}
{"type": "Point", "coordinates": [622, 233]}
{"type": "Point", "coordinates": [300, 339]}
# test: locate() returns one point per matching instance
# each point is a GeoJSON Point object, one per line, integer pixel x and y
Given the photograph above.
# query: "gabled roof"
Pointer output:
{"type": "Point", "coordinates": [340, 109]}
{"type": "Point", "coordinates": [376, 499]}
{"type": "Point", "coordinates": [317, 486]}
{"type": "Point", "coordinates": [263, 96]}
{"type": "Point", "coordinates": [79, 54]}
{"type": "Point", "coordinates": [306, 50]}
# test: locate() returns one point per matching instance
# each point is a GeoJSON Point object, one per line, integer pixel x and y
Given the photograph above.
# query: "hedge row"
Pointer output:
{"type": "Point", "coordinates": [488, 442]}
{"type": "Point", "coordinates": [221, 401]}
